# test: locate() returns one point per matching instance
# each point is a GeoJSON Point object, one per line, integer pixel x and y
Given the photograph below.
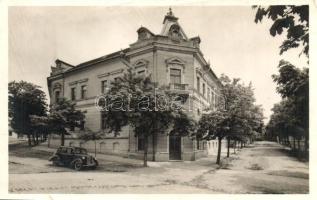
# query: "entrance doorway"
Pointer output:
{"type": "Point", "coordinates": [175, 148]}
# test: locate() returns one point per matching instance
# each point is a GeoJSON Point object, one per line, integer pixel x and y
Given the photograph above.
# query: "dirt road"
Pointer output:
{"type": "Point", "coordinates": [264, 167]}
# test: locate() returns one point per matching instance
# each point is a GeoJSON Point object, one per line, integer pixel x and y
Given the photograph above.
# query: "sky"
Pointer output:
{"type": "Point", "coordinates": [230, 39]}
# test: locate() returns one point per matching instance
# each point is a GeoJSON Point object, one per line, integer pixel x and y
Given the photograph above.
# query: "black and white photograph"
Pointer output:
{"type": "Point", "coordinates": [158, 99]}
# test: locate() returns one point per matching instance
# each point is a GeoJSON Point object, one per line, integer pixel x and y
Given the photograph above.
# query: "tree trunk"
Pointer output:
{"type": "Point", "coordinates": [145, 151]}
{"type": "Point", "coordinates": [306, 146]}
{"type": "Point", "coordinates": [62, 139]}
{"type": "Point", "coordinates": [240, 144]}
{"type": "Point", "coordinates": [154, 146]}
{"type": "Point", "coordinates": [29, 139]}
{"type": "Point", "coordinates": [48, 140]}
{"type": "Point", "coordinates": [294, 144]}
{"type": "Point", "coordinates": [95, 148]}
{"type": "Point", "coordinates": [37, 138]}
{"type": "Point", "coordinates": [298, 143]}
{"type": "Point", "coordinates": [234, 147]}
{"type": "Point", "coordinates": [287, 140]}
{"type": "Point", "coordinates": [219, 150]}
{"type": "Point", "coordinates": [228, 147]}
{"type": "Point", "coordinates": [33, 139]}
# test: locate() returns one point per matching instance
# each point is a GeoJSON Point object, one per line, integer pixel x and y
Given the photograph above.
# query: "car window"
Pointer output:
{"type": "Point", "coordinates": [69, 150]}
{"type": "Point", "coordinates": [77, 151]}
{"type": "Point", "coordinates": [80, 151]}
{"type": "Point", "coordinates": [83, 151]}
{"type": "Point", "coordinates": [62, 150]}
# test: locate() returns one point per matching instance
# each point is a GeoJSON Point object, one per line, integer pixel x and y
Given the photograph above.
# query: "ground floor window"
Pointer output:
{"type": "Point", "coordinates": [82, 125]}
{"type": "Point", "coordinates": [140, 143]}
{"type": "Point", "coordinates": [115, 147]}
{"type": "Point", "coordinates": [200, 145]}
{"type": "Point", "coordinates": [103, 120]}
{"type": "Point", "coordinates": [102, 146]}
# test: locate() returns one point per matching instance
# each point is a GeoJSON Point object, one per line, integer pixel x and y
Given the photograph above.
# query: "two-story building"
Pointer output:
{"type": "Point", "coordinates": [172, 59]}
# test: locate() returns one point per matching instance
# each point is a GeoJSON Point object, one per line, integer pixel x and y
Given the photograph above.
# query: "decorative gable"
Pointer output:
{"type": "Point", "coordinates": [174, 62]}
{"type": "Point", "coordinates": [144, 33]}
{"type": "Point", "coordinates": [140, 63]}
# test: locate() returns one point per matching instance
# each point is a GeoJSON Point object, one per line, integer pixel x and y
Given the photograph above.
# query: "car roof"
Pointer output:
{"type": "Point", "coordinates": [72, 147]}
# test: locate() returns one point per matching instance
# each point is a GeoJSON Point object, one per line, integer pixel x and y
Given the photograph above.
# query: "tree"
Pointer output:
{"type": "Point", "coordinates": [137, 101]}
{"type": "Point", "coordinates": [293, 19]}
{"type": "Point", "coordinates": [293, 86]}
{"type": "Point", "coordinates": [244, 115]}
{"type": "Point", "coordinates": [25, 99]}
{"type": "Point", "coordinates": [64, 115]}
{"type": "Point", "coordinates": [292, 82]}
{"type": "Point", "coordinates": [216, 125]}
{"type": "Point", "coordinates": [40, 127]}
{"type": "Point", "coordinates": [281, 120]}
{"type": "Point", "coordinates": [236, 116]}
{"type": "Point", "coordinates": [88, 135]}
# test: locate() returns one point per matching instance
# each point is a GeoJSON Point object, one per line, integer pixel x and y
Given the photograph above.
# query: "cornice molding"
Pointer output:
{"type": "Point", "coordinates": [118, 71]}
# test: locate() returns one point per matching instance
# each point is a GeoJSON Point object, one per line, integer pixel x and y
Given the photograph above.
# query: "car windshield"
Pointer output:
{"type": "Point", "coordinates": [80, 151]}
{"type": "Point", "coordinates": [62, 150]}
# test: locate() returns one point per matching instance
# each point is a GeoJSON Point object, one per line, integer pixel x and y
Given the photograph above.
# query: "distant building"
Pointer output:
{"type": "Point", "coordinates": [171, 58]}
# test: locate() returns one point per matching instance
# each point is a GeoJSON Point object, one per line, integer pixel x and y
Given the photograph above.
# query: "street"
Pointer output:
{"type": "Point", "coordinates": [263, 167]}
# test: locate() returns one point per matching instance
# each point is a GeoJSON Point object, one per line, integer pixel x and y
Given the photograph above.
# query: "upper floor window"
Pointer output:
{"type": "Point", "coordinates": [57, 96]}
{"type": "Point", "coordinates": [198, 112]}
{"type": "Point", "coordinates": [213, 98]}
{"type": "Point", "coordinates": [204, 89]}
{"type": "Point", "coordinates": [140, 67]}
{"type": "Point", "coordinates": [84, 91]}
{"type": "Point", "coordinates": [175, 76]}
{"type": "Point", "coordinates": [198, 84]}
{"type": "Point", "coordinates": [208, 95]}
{"type": "Point", "coordinates": [73, 93]}
{"type": "Point", "coordinates": [141, 72]}
{"type": "Point", "coordinates": [103, 86]}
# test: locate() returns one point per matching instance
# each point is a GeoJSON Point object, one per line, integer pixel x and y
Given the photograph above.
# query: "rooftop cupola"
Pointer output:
{"type": "Point", "coordinates": [171, 27]}
{"type": "Point", "coordinates": [170, 16]}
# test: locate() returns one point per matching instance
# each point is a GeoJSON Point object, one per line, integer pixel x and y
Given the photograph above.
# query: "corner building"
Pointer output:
{"type": "Point", "coordinates": [172, 59]}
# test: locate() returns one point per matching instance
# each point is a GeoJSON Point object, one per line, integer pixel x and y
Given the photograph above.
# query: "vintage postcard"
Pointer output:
{"type": "Point", "coordinates": [158, 98]}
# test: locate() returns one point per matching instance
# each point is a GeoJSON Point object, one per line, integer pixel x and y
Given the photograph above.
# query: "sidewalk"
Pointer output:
{"type": "Point", "coordinates": [211, 159]}
{"type": "Point", "coordinates": [99, 156]}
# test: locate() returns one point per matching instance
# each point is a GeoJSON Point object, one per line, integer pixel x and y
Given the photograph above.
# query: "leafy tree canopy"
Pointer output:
{"type": "Point", "coordinates": [292, 19]}
{"type": "Point", "coordinates": [25, 99]}
{"type": "Point", "coordinates": [64, 115]}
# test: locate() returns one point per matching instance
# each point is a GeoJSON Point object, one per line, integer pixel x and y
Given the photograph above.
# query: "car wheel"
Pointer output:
{"type": "Point", "coordinates": [55, 163]}
{"type": "Point", "coordinates": [78, 164]}
{"type": "Point", "coordinates": [95, 164]}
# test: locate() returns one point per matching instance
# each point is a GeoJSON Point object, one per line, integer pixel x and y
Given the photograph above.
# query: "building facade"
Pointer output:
{"type": "Point", "coordinates": [172, 59]}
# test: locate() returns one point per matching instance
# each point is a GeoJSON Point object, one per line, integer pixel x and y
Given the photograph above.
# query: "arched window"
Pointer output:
{"type": "Point", "coordinates": [141, 67]}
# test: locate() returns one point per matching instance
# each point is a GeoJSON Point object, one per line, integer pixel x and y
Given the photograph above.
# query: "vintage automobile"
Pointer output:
{"type": "Point", "coordinates": [74, 157]}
